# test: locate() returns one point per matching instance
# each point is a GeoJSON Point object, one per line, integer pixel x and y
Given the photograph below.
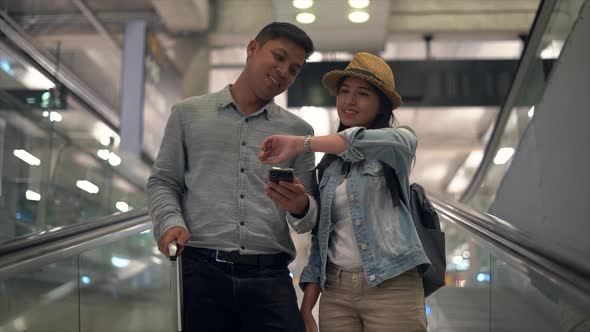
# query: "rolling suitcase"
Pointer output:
{"type": "Point", "coordinates": [176, 285]}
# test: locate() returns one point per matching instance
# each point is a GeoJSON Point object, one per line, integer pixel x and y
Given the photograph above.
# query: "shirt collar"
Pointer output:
{"type": "Point", "coordinates": [224, 99]}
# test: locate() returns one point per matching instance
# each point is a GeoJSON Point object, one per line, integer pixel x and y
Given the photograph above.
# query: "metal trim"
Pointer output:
{"type": "Point", "coordinates": [539, 26]}
{"type": "Point", "coordinates": [65, 76]}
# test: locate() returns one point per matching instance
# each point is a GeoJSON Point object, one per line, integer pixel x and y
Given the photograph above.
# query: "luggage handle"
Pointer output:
{"type": "Point", "coordinates": [172, 250]}
{"type": "Point", "coordinates": [176, 283]}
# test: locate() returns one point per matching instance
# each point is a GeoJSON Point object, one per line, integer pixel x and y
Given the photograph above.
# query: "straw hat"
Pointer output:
{"type": "Point", "coordinates": [370, 68]}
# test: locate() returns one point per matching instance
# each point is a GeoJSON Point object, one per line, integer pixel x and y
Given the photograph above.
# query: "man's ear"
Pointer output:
{"type": "Point", "coordinates": [252, 46]}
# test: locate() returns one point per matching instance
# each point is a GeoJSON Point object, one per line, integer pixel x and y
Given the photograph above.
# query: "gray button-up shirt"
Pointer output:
{"type": "Point", "coordinates": [208, 179]}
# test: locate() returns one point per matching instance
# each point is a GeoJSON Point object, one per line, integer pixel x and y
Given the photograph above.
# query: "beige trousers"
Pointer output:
{"type": "Point", "coordinates": [348, 304]}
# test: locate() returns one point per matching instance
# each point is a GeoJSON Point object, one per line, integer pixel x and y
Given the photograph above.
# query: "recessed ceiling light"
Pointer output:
{"type": "Point", "coordinates": [315, 57]}
{"type": "Point", "coordinates": [28, 158]}
{"type": "Point", "coordinates": [302, 4]}
{"type": "Point", "coordinates": [358, 4]}
{"type": "Point", "coordinates": [87, 186]}
{"type": "Point", "coordinates": [305, 18]}
{"type": "Point", "coordinates": [358, 16]}
{"type": "Point", "coordinates": [32, 196]}
{"type": "Point", "coordinates": [503, 155]}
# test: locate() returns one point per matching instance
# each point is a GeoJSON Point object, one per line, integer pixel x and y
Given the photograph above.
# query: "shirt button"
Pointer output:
{"type": "Point", "coordinates": [241, 223]}
{"type": "Point", "coordinates": [364, 246]}
{"type": "Point", "coordinates": [243, 143]}
{"type": "Point", "coordinates": [243, 247]}
{"type": "Point", "coordinates": [242, 196]}
{"type": "Point", "coordinates": [372, 277]}
{"type": "Point", "coordinates": [242, 170]}
{"type": "Point", "coordinates": [246, 120]}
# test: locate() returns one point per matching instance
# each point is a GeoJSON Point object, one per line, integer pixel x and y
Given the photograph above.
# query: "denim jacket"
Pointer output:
{"type": "Point", "coordinates": [386, 236]}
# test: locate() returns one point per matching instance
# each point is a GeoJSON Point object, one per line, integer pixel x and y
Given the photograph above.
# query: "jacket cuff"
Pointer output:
{"type": "Point", "coordinates": [307, 223]}
{"type": "Point", "coordinates": [351, 153]}
{"type": "Point", "coordinates": [309, 275]}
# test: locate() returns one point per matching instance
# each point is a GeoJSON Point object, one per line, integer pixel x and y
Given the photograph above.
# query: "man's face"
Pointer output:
{"type": "Point", "coordinates": [273, 67]}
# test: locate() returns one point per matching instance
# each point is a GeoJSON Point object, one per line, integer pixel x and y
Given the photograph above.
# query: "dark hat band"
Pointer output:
{"type": "Point", "coordinates": [364, 72]}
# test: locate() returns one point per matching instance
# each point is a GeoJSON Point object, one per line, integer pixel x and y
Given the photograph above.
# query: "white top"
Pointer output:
{"type": "Point", "coordinates": [343, 249]}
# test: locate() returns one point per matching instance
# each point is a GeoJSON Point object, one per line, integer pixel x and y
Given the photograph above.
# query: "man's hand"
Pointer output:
{"type": "Point", "coordinates": [289, 196]}
{"type": "Point", "coordinates": [176, 233]}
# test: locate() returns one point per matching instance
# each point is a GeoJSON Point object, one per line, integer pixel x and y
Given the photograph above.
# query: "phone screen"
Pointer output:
{"type": "Point", "coordinates": [277, 174]}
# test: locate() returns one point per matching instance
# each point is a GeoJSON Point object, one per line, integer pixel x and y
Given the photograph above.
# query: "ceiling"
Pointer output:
{"type": "Point", "coordinates": [90, 32]}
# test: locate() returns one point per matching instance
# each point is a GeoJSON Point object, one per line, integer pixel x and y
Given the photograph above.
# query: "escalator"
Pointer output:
{"type": "Point", "coordinates": [106, 274]}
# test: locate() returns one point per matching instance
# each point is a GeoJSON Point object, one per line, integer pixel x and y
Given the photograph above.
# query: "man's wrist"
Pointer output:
{"type": "Point", "coordinates": [304, 213]}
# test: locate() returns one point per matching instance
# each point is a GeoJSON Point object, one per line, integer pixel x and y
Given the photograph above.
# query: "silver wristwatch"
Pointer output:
{"type": "Point", "coordinates": [307, 144]}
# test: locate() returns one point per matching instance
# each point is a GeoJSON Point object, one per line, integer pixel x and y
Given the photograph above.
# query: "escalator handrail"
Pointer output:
{"type": "Point", "coordinates": [45, 247]}
{"type": "Point", "coordinates": [48, 62]}
{"type": "Point", "coordinates": [40, 248]}
{"type": "Point", "coordinates": [567, 273]}
{"type": "Point", "coordinates": [526, 60]}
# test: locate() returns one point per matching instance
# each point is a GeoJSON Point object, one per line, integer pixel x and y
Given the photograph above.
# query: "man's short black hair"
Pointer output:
{"type": "Point", "coordinates": [288, 31]}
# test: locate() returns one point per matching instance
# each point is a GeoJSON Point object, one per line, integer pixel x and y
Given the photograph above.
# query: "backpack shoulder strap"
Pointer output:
{"type": "Point", "coordinates": [392, 183]}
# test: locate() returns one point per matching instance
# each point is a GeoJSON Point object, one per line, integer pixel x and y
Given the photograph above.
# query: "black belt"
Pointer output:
{"type": "Point", "coordinates": [234, 257]}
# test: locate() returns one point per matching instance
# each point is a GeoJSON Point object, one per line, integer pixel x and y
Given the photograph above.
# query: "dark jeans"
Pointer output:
{"type": "Point", "coordinates": [234, 297]}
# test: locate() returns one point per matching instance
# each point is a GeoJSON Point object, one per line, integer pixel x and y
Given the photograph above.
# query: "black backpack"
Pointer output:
{"type": "Point", "coordinates": [428, 229]}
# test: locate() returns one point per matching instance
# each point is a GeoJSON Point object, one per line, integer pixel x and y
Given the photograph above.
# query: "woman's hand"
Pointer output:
{"type": "Point", "coordinates": [311, 292]}
{"type": "Point", "coordinates": [309, 321]}
{"type": "Point", "coordinates": [278, 148]}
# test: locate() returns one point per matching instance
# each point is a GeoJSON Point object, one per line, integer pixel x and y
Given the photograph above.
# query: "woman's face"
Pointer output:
{"type": "Point", "coordinates": [357, 102]}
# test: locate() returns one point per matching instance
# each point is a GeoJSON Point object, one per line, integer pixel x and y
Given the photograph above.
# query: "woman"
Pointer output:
{"type": "Point", "coordinates": [365, 250]}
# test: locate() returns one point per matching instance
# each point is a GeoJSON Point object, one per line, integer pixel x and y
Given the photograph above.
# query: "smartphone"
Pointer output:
{"type": "Point", "coordinates": [277, 174]}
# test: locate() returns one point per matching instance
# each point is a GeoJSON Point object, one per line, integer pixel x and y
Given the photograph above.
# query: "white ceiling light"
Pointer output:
{"type": "Point", "coordinates": [87, 186]}
{"type": "Point", "coordinates": [120, 262]}
{"type": "Point", "coordinates": [315, 57]}
{"type": "Point", "coordinates": [27, 157]}
{"type": "Point", "coordinates": [122, 206]}
{"type": "Point", "coordinates": [103, 154]}
{"type": "Point", "coordinates": [358, 4]}
{"type": "Point", "coordinates": [531, 112]}
{"type": "Point", "coordinates": [32, 196]}
{"type": "Point", "coordinates": [305, 18]}
{"type": "Point", "coordinates": [302, 4]}
{"type": "Point", "coordinates": [114, 160]}
{"type": "Point", "coordinates": [358, 17]}
{"type": "Point", "coordinates": [503, 155]}
{"type": "Point", "coordinates": [55, 117]}
{"type": "Point", "coordinates": [105, 140]}
{"type": "Point", "coordinates": [474, 159]}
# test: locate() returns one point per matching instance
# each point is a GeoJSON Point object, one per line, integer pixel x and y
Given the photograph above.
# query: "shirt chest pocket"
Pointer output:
{"type": "Point", "coordinates": [372, 175]}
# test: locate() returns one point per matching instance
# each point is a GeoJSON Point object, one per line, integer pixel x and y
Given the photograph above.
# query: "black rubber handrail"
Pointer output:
{"type": "Point", "coordinates": [568, 274]}
{"type": "Point", "coordinates": [36, 249]}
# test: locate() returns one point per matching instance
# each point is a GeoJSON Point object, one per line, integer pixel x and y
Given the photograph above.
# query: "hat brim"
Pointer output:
{"type": "Point", "coordinates": [331, 79]}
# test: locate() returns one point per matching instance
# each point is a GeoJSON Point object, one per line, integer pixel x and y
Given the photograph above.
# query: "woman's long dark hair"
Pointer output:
{"type": "Point", "coordinates": [383, 119]}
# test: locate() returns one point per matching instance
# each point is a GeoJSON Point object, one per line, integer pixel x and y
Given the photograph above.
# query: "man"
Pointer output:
{"type": "Point", "coordinates": [207, 192]}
